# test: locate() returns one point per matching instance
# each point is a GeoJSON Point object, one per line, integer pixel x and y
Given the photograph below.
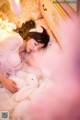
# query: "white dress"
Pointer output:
{"type": "Point", "coordinates": [10, 60]}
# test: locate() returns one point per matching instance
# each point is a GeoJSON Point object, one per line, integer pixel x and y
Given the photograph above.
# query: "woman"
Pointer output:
{"type": "Point", "coordinates": [11, 52]}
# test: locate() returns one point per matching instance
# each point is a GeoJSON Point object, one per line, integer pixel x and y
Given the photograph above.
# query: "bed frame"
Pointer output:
{"type": "Point", "coordinates": [55, 14]}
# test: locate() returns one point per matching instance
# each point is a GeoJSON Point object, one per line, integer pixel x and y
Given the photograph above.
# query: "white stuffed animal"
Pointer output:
{"type": "Point", "coordinates": [29, 87]}
{"type": "Point", "coordinates": [26, 83]}
{"type": "Point", "coordinates": [24, 79]}
{"type": "Point", "coordinates": [27, 95]}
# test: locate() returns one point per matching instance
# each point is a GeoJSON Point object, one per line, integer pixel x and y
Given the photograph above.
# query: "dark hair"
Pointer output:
{"type": "Point", "coordinates": [24, 29]}
{"type": "Point", "coordinates": [37, 36]}
{"type": "Point", "coordinates": [40, 37]}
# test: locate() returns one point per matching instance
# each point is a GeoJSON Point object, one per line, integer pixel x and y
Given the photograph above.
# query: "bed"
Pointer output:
{"type": "Point", "coordinates": [51, 68]}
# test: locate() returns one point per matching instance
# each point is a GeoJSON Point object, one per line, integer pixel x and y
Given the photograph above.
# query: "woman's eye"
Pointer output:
{"type": "Point", "coordinates": [35, 44]}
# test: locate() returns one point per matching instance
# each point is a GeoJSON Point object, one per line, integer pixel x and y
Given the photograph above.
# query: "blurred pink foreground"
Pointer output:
{"type": "Point", "coordinates": [62, 100]}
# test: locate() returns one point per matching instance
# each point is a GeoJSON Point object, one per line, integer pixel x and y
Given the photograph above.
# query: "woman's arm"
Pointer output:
{"type": "Point", "coordinates": [8, 84]}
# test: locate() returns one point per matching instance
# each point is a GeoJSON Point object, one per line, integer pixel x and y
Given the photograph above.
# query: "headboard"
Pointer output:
{"type": "Point", "coordinates": [55, 15]}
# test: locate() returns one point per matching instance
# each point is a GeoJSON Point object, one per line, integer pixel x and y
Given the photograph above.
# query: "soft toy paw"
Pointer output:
{"type": "Point", "coordinates": [26, 82]}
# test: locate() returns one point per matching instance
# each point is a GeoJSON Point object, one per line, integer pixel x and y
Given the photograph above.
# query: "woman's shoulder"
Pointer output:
{"type": "Point", "coordinates": [12, 41]}
{"type": "Point", "coordinates": [14, 38]}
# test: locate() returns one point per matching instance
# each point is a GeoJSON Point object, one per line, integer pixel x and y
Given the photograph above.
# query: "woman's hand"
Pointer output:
{"type": "Point", "coordinates": [10, 85]}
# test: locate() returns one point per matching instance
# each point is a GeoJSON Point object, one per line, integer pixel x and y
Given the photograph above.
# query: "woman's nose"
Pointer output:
{"type": "Point", "coordinates": [35, 49]}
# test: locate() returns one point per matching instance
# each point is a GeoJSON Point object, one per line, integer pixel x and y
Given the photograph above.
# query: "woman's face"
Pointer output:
{"type": "Point", "coordinates": [32, 45]}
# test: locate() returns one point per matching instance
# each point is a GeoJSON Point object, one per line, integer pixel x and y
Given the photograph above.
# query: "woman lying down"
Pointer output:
{"type": "Point", "coordinates": [13, 51]}
{"type": "Point", "coordinates": [13, 47]}
{"type": "Point", "coordinates": [61, 101]}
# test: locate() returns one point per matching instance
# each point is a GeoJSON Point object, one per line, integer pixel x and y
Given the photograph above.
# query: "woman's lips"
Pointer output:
{"type": "Point", "coordinates": [31, 50]}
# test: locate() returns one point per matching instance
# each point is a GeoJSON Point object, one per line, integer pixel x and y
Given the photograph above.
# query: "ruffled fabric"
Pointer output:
{"type": "Point", "coordinates": [10, 60]}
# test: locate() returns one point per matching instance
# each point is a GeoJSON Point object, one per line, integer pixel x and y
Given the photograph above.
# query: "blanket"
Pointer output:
{"type": "Point", "coordinates": [30, 86]}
